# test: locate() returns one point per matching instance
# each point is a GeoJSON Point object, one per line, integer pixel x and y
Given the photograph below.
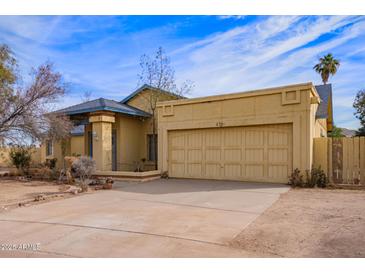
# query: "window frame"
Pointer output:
{"type": "Point", "coordinates": [49, 148]}
{"type": "Point", "coordinates": [150, 139]}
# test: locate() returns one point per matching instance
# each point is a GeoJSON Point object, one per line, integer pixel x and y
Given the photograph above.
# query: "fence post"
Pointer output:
{"type": "Point", "coordinates": [329, 163]}
{"type": "Point", "coordinates": [362, 159]}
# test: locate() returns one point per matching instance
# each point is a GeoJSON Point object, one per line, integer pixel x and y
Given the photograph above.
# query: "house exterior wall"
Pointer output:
{"type": "Point", "coordinates": [74, 146]}
{"type": "Point", "coordinates": [141, 101]}
{"type": "Point", "coordinates": [6, 162]}
{"type": "Point", "coordinates": [283, 105]}
{"type": "Point", "coordinates": [320, 128]}
{"type": "Point", "coordinates": [57, 153]}
{"type": "Point", "coordinates": [77, 145]}
{"type": "Point", "coordinates": [147, 129]}
{"type": "Point", "coordinates": [132, 142]}
{"type": "Point", "coordinates": [129, 132]}
{"type": "Point", "coordinates": [4, 157]}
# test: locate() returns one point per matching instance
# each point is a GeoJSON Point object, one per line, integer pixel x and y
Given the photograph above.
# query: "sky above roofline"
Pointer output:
{"type": "Point", "coordinates": [220, 54]}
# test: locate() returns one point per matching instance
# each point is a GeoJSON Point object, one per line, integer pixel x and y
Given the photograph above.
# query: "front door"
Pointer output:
{"type": "Point", "coordinates": [114, 150]}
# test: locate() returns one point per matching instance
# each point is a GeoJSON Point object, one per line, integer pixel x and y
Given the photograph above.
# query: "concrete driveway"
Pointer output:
{"type": "Point", "coordinates": [162, 218]}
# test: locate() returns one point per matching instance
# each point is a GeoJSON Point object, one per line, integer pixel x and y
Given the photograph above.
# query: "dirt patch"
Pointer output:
{"type": "Point", "coordinates": [15, 193]}
{"type": "Point", "coordinates": [309, 223]}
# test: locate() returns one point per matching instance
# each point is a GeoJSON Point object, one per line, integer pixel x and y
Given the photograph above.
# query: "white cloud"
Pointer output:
{"type": "Point", "coordinates": [267, 51]}
{"type": "Point", "coordinates": [235, 17]}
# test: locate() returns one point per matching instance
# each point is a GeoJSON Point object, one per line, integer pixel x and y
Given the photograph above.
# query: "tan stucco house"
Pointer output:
{"type": "Point", "coordinates": [259, 135]}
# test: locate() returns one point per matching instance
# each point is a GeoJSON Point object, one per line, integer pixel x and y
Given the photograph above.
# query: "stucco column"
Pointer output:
{"type": "Point", "coordinates": [102, 140]}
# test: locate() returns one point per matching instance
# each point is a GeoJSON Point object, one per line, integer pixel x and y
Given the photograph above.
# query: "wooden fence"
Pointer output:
{"type": "Point", "coordinates": [343, 159]}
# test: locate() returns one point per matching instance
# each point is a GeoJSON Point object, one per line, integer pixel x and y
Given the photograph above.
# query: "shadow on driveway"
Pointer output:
{"type": "Point", "coordinates": [167, 186]}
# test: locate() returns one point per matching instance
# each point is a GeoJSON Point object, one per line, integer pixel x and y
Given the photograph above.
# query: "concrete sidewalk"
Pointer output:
{"type": "Point", "coordinates": [162, 218]}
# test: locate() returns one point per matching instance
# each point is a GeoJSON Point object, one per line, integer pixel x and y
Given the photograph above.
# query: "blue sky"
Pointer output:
{"type": "Point", "coordinates": [220, 54]}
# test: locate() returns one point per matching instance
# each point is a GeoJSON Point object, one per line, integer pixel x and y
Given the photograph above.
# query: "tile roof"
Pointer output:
{"type": "Point", "coordinates": [325, 93]}
{"type": "Point", "coordinates": [103, 104]}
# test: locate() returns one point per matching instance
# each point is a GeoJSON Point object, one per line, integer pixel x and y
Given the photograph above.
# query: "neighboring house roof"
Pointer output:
{"type": "Point", "coordinates": [103, 104]}
{"type": "Point", "coordinates": [144, 87]}
{"type": "Point", "coordinates": [78, 130]}
{"type": "Point", "coordinates": [348, 132]}
{"type": "Point", "coordinates": [325, 93]}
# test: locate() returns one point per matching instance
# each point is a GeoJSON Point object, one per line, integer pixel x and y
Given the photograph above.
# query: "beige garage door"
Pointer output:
{"type": "Point", "coordinates": [255, 153]}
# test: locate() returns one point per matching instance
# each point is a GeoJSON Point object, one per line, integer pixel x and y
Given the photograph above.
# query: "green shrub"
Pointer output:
{"type": "Point", "coordinates": [20, 157]}
{"type": "Point", "coordinates": [309, 182]}
{"type": "Point", "coordinates": [315, 178]}
{"type": "Point", "coordinates": [318, 177]}
{"type": "Point", "coordinates": [296, 179]}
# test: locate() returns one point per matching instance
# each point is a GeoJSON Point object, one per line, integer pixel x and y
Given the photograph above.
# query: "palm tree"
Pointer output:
{"type": "Point", "coordinates": [327, 66]}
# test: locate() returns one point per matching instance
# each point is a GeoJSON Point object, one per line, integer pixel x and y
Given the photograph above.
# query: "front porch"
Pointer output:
{"type": "Point", "coordinates": [115, 135]}
{"type": "Point", "coordinates": [143, 176]}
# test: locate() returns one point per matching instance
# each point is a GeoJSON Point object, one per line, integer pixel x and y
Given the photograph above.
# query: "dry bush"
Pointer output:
{"type": "Point", "coordinates": [83, 167]}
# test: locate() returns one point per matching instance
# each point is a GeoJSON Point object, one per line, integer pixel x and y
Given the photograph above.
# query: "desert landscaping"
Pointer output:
{"type": "Point", "coordinates": [309, 223]}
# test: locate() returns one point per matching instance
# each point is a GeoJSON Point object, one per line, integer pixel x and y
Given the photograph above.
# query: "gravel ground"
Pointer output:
{"type": "Point", "coordinates": [309, 223]}
{"type": "Point", "coordinates": [13, 192]}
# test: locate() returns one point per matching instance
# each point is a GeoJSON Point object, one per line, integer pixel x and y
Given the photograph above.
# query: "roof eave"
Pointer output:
{"type": "Point", "coordinates": [106, 108]}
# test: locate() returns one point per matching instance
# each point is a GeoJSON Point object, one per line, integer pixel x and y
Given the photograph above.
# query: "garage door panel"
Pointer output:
{"type": "Point", "coordinates": [213, 155]}
{"type": "Point", "coordinates": [177, 169]}
{"type": "Point", "coordinates": [178, 155]}
{"type": "Point", "coordinates": [262, 153]}
{"type": "Point", "coordinates": [252, 171]}
{"type": "Point", "coordinates": [194, 140]}
{"type": "Point", "coordinates": [213, 139]}
{"type": "Point", "coordinates": [278, 155]}
{"type": "Point", "coordinates": [278, 171]}
{"type": "Point", "coordinates": [177, 140]}
{"type": "Point", "coordinates": [232, 170]}
{"type": "Point", "coordinates": [253, 137]}
{"type": "Point", "coordinates": [233, 137]}
{"type": "Point", "coordinates": [194, 170]}
{"type": "Point", "coordinates": [194, 155]}
{"type": "Point", "coordinates": [254, 155]}
{"type": "Point", "coordinates": [212, 170]}
{"type": "Point", "coordinates": [233, 154]}
{"type": "Point", "coordinates": [278, 138]}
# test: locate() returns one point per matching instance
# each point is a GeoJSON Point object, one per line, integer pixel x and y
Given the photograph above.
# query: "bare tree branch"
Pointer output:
{"type": "Point", "coordinates": [158, 73]}
{"type": "Point", "coordinates": [23, 111]}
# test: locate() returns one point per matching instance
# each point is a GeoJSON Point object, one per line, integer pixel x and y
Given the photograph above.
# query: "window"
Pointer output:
{"type": "Point", "coordinates": [90, 143]}
{"type": "Point", "coordinates": [49, 148]}
{"type": "Point", "coordinates": [152, 147]}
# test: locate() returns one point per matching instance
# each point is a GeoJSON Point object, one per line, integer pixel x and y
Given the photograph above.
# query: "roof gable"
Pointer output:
{"type": "Point", "coordinates": [144, 87]}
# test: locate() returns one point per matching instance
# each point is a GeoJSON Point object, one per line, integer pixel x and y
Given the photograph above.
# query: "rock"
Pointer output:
{"type": "Point", "coordinates": [4, 173]}
{"type": "Point", "coordinates": [64, 188]}
{"type": "Point", "coordinates": [109, 181]}
{"type": "Point", "coordinates": [39, 198]}
{"type": "Point", "coordinates": [95, 182]}
{"type": "Point", "coordinates": [74, 191]}
{"type": "Point", "coordinates": [108, 186]}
